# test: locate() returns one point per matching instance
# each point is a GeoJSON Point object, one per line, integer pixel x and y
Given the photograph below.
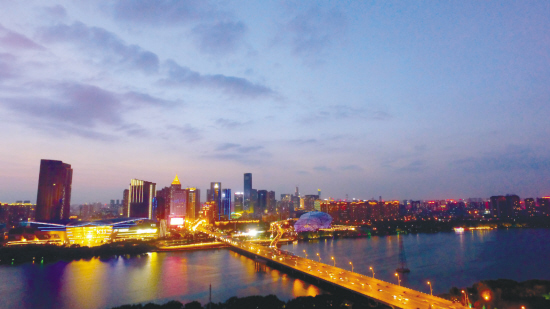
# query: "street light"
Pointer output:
{"type": "Point", "coordinates": [351, 266]}
{"type": "Point", "coordinates": [305, 253]}
{"type": "Point", "coordinates": [333, 260]}
{"type": "Point", "coordinates": [372, 272]}
{"type": "Point", "coordinates": [319, 257]}
{"type": "Point", "coordinates": [431, 291]}
{"type": "Point", "coordinates": [466, 300]}
{"type": "Point", "coordinates": [398, 279]}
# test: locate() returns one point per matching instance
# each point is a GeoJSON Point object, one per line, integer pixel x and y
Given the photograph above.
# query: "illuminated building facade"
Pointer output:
{"type": "Point", "coordinates": [226, 205]}
{"type": "Point", "coordinates": [216, 198]}
{"type": "Point", "coordinates": [53, 200]}
{"type": "Point", "coordinates": [142, 199]}
{"type": "Point", "coordinates": [247, 193]}
{"type": "Point", "coordinates": [193, 203]}
{"type": "Point", "coordinates": [178, 199]}
{"type": "Point", "coordinates": [12, 214]}
{"type": "Point", "coordinates": [238, 202]}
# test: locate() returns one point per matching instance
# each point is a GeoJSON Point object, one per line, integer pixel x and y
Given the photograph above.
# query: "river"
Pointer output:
{"type": "Point", "coordinates": [445, 259]}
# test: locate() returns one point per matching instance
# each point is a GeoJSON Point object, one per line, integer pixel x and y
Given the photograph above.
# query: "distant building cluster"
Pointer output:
{"type": "Point", "coordinates": [144, 204]}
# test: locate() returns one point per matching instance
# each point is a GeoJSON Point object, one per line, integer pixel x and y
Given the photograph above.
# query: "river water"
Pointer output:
{"type": "Point", "coordinates": [445, 259]}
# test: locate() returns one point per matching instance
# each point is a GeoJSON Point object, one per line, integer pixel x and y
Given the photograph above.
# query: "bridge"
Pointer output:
{"type": "Point", "coordinates": [388, 294]}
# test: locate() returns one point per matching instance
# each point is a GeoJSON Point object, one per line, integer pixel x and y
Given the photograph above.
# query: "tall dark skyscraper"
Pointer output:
{"type": "Point", "coordinates": [262, 202]}
{"type": "Point", "coordinates": [247, 192]}
{"type": "Point", "coordinates": [53, 200]}
{"type": "Point", "coordinates": [142, 199]}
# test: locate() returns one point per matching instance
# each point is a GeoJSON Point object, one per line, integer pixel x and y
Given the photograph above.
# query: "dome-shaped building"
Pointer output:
{"type": "Point", "coordinates": [313, 221]}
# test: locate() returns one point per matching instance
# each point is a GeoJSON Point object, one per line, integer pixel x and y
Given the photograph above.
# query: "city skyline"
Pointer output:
{"type": "Point", "coordinates": [401, 100]}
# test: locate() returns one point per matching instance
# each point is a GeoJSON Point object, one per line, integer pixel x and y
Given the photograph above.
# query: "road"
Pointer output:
{"type": "Point", "coordinates": [384, 292]}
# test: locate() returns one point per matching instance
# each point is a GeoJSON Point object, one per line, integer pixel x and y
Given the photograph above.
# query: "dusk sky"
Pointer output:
{"type": "Point", "coordinates": [399, 99]}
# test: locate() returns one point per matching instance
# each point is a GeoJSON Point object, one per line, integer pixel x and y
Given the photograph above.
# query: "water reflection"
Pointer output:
{"type": "Point", "coordinates": [446, 259]}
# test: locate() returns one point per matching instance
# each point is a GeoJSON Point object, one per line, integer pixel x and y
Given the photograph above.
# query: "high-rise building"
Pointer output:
{"type": "Point", "coordinates": [53, 200]}
{"type": "Point", "coordinates": [142, 202]}
{"type": "Point", "coordinates": [253, 202]}
{"type": "Point", "coordinates": [226, 204]}
{"type": "Point", "coordinates": [238, 204]}
{"type": "Point", "coordinates": [271, 202]}
{"type": "Point", "coordinates": [125, 199]}
{"type": "Point", "coordinates": [178, 199]}
{"type": "Point", "coordinates": [262, 202]}
{"type": "Point", "coordinates": [247, 192]}
{"type": "Point", "coordinates": [216, 197]}
{"type": "Point", "coordinates": [193, 203]}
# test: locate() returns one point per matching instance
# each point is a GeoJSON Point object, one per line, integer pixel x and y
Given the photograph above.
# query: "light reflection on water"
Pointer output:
{"type": "Point", "coordinates": [158, 277]}
{"type": "Point", "coordinates": [446, 259]}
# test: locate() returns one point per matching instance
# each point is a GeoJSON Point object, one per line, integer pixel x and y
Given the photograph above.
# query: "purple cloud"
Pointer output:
{"type": "Point", "coordinates": [220, 37]}
{"type": "Point", "coordinates": [311, 32]}
{"type": "Point", "coordinates": [13, 40]}
{"type": "Point", "coordinates": [183, 76]}
{"type": "Point", "coordinates": [103, 43]}
{"type": "Point", "coordinates": [187, 131]}
{"type": "Point", "coordinates": [164, 12]}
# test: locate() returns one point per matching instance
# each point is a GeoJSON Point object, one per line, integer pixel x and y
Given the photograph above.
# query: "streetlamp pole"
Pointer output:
{"type": "Point", "coordinates": [431, 291]}
{"type": "Point", "coordinates": [398, 279]}
{"type": "Point", "coordinates": [351, 266]}
{"type": "Point", "coordinates": [333, 260]}
{"type": "Point", "coordinates": [319, 257]}
{"type": "Point", "coordinates": [372, 272]}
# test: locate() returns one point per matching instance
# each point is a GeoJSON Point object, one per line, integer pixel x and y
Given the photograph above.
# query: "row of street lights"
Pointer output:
{"type": "Point", "coordinates": [371, 269]}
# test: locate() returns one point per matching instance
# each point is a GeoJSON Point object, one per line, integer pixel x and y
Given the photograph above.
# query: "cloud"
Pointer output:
{"type": "Point", "coordinates": [6, 66]}
{"type": "Point", "coordinates": [253, 154]}
{"type": "Point", "coordinates": [238, 148]}
{"type": "Point", "coordinates": [187, 131]}
{"type": "Point", "coordinates": [302, 141]}
{"type": "Point", "coordinates": [339, 112]}
{"type": "Point", "coordinates": [311, 32]}
{"type": "Point", "coordinates": [56, 12]}
{"type": "Point", "coordinates": [220, 37]}
{"type": "Point", "coordinates": [164, 12]}
{"type": "Point", "coordinates": [80, 109]}
{"type": "Point", "coordinates": [230, 124]}
{"type": "Point", "coordinates": [513, 158]}
{"type": "Point", "coordinates": [102, 43]}
{"type": "Point", "coordinates": [227, 146]}
{"type": "Point", "coordinates": [13, 40]}
{"type": "Point", "coordinates": [133, 129]}
{"type": "Point", "coordinates": [144, 99]}
{"type": "Point", "coordinates": [183, 76]}
{"type": "Point", "coordinates": [78, 104]}
{"type": "Point", "coordinates": [321, 168]}
{"type": "Point", "coordinates": [351, 167]}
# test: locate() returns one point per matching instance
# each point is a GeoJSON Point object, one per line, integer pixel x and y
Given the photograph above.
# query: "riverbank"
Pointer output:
{"type": "Point", "coordinates": [263, 302]}
{"type": "Point", "coordinates": [504, 294]}
{"type": "Point", "coordinates": [51, 253]}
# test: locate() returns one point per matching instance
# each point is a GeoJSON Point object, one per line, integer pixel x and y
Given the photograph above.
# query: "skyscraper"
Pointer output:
{"type": "Point", "coordinates": [226, 204]}
{"type": "Point", "coordinates": [178, 199]}
{"type": "Point", "coordinates": [262, 202]}
{"type": "Point", "coordinates": [216, 197]}
{"type": "Point", "coordinates": [142, 199]}
{"type": "Point", "coordinates": [53, 200]}
{"type": "Point", "coordinates": [193, 203]}
{"type": "Point", "coordinates": [238, 204]}
{"type": "Point", "coordinates": [247, 192]}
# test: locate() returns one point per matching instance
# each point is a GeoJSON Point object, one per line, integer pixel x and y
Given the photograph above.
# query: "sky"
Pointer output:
{"type": "Point", "coordinates": [399, 99]}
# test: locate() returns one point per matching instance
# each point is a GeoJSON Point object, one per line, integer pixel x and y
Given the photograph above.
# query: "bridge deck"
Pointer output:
{"type": "Point", "coordinates": [383, 292]}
